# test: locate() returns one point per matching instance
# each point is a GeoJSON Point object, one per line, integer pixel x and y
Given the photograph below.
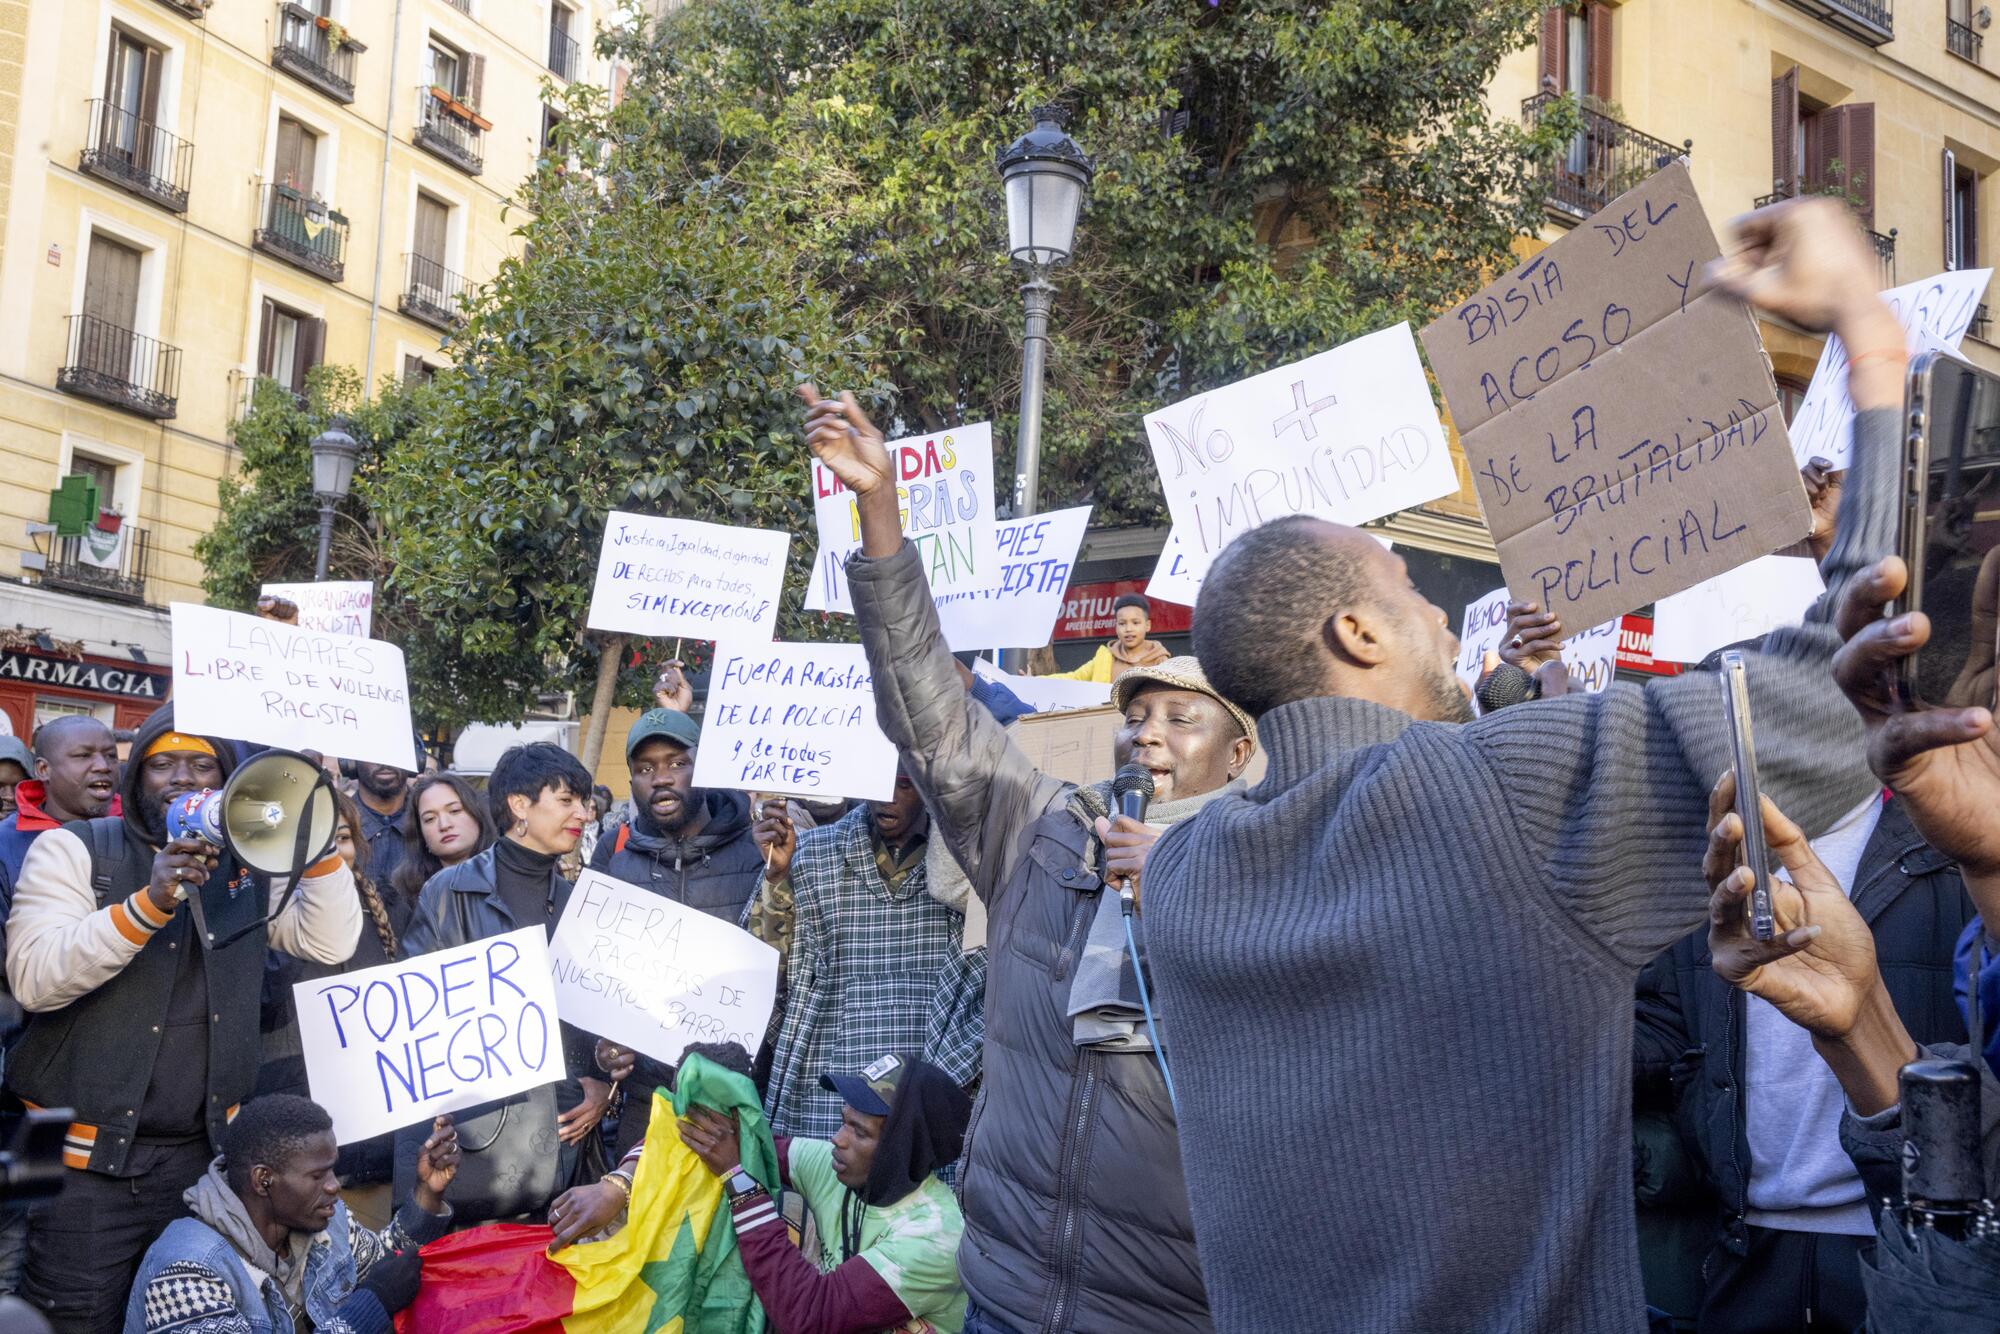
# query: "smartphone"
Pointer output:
{"type": "Point", "coordinates": [1743, 754]}
{"type": "Point", "coordinates": [1950, 524]}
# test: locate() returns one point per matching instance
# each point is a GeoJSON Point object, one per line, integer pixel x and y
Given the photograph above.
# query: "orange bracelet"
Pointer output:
{"type": "Point", "coordinates": [1885, 353]}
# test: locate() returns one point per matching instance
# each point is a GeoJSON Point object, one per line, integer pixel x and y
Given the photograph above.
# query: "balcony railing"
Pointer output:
{"type": "Point", "coordinates": [432, 293]}
{"type": "Point", "coordinates": [1962, 39]}
{"type": "Point", "coordinates": [462, 6]}
{"type": "Point", "coordinates": [302, 231]}
{"type": "Point", "coordinates": [1885, 250]}
{"type": "Point", "coordinates": [1603, 161]}
{"type": "Point", "coordinates": [119, 367]}
{"type": "Point", "coordinates": [1981, 326]}
{"type": "Point", "coordinates": [309, 52]}
{"type": "Point", "coordinates": [137, 155]}
{"type": "Point", "coordinates": [1869, 21]}
{"type": "Point", "coordinates": [565, 53]}
{"type": "Point", "coordinates": [449, 134]}
{"type": "Point", "coordinates": [194, 9]}
{"type": "Point", "coordinates": [101, 565]}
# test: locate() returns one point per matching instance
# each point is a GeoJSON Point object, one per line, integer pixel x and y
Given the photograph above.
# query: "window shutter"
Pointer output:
{"type": "Point", "coordinates": [267, 341]}
{"type": "Point", "coordinates": [1857, 157]}
{"type": "Point", "coordinates": [413, 368]}
{"type": "Point", "coordinates": [1952, 259]}
{"type": "Point", "coordinates": [1784, 130]}
{"type": "Point", "coordinates": [311, 346]}
{"type": "Point", "coordinates": [1970, 230]}
{"type": "Point", "coordinates": [1598, 16]}
{"type": "Point", "coordinates": [1822, 140]}
{"type": "Point", "coordinates": [620, 76]}
{"type": "Point", "coordinates": [1551, 45]}
{"type": "Point", "coordinates": [475, 81]}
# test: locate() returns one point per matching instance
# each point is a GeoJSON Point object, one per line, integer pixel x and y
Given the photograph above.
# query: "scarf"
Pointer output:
{"type": "Point", "coordinates": [1150, 653]}
{"type": "Point", "coordinates": [1104, 1007]}
{"type": "Point", "coordinates": [212, 1201]}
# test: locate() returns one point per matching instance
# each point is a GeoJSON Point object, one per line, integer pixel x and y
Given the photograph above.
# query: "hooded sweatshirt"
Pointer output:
{"type": "Point", "coordinates": [213, 1202]}
{"type": "Point", "coordinates": [716, 871]}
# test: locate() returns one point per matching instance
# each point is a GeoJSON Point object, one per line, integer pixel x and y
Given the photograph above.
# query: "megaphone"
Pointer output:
{"type": "Point", "coordinates": [276, 815]}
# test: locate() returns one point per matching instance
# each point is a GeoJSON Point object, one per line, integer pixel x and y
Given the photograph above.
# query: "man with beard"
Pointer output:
{"type": "Point", "coordinates": [382, 790]}
{"type": "Point", "coordinates": [683, 843]}
{"type": "Point", "coordinates": [149, 1035]}
{"type": "Point", "coordinates": [1410, 953]}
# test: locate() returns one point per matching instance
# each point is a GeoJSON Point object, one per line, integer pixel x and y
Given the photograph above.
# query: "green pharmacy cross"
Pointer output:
{"type": "Point", "coordinates": [73, 505]}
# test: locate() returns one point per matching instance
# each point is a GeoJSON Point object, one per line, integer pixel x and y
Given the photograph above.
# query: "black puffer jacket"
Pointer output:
{"type": "Point", "coordinates": [716, 871]}
{"type": "Point", "coordinates": [1690, 1033]}
{"type": "Point", "coordinates": [1076, 1212]}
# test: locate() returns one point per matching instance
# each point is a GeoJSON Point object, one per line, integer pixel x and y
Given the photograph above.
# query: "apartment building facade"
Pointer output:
{"type": "Point", "coordinates": [197, 193]}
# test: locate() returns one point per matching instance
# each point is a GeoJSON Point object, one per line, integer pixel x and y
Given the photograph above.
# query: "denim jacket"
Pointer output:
{"type": "Point", "coordinates": [192, 1279]}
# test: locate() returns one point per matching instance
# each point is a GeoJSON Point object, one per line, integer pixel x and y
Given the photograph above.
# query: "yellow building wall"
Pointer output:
{"type": "Point", "coordinates": [202, 283]}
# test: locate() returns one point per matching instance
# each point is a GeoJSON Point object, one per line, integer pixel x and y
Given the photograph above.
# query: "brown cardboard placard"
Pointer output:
{"type": "Point", "coordinates": [1621, 425]}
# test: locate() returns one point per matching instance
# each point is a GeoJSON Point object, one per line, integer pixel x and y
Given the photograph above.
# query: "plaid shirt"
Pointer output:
{"type": "Point", "coordinates": [873, 969]}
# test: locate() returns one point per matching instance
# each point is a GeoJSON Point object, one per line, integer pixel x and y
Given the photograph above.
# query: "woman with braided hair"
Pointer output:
{"type": "Point", "coordinates": [365, 1168]}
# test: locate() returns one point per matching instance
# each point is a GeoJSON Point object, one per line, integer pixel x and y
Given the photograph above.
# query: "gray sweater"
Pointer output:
{"type": "Point", "coordinates": [1396, 978]}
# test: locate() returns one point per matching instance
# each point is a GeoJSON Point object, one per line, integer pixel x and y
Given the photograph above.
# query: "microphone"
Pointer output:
{"type": "Point", "coordinates": [1505, 685]}
{"type": "Point", "coordinates": [1131, 788]}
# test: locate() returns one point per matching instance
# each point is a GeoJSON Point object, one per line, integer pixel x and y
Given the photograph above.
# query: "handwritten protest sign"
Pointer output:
{"type": "Point", "coordinates": [1347, 435]}
{"type": "Point", "coordinates": [1591, 656]}
{"type": "Point", "coordinates": [256, 680]}
{"type": "Point", "coordinates": [655, 975]}
{"type": "Point", "coordinates": [944, 487]}
{"type": "Point", "coordinates": [1174, 578]}
{"type": "Point", "coordinates": [1046, 694]}
{"type": "Point", "coordinates": [1748, 601]}
{"type": "Point", "coordinates": [1621, 425]}
{"type": "Point", "coordinates": [1036, 557]}
{"type": "Point", "coordinates": [660, 576]}
{"type": "Point", "coordinates": [795, 718]}
{"type": "Point", "coordinates": [344, 607]}
{"type": "Point", "coordinates": [1941, 307]}
{"type": "Point", "coordinates": [396, 1044]}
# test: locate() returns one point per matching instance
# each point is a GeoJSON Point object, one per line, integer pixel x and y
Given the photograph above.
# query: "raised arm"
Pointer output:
{"type": "Point", "coordinates": [977, 785]}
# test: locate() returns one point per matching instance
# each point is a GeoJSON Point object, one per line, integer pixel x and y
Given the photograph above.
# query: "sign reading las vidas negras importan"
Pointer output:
{"type": "Point", "coordinates": [1622, 426]}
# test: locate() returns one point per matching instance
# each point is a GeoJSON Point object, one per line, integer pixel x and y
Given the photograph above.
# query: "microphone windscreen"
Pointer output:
{"type": "Point", "coordinates": [1505, 685]}
{"type": "Point", "coordinates": [1133, 778]}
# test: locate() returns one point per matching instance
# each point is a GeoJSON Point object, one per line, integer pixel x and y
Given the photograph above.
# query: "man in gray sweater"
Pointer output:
{"type": "Point", "coordinates": [1402, 966]}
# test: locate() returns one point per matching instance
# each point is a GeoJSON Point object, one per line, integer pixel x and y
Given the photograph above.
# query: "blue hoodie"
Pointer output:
{"type": "Point", "coordinates": [1989, 988]}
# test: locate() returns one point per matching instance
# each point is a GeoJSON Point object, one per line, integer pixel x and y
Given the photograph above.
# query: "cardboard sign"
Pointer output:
{"type": "Point", "coordinates": [251, 679]}
{"type": "Point", "coordinates": [1348, 435]}
{"type": "Point", "coordinates": [794, 718]}
{"type": "Point", "coordinates": [1591, 656]}
{"type": "Point", "coordinates": [655, 975]}
{"type": "Point", "coordinates": [659, 577]}
{"type": "Point", "coordinates": [1622, 426]}
{"type": "Point", "coordinates": [944, 487]}
{"type": "Point", "coordinates": [395, 1045]}
{"type": "Point", "coordinates": [1037, 555]}
{"type": "Point", "coordinates": [1749, 601]}
{"type": "Point", "coordinates": [1941, 307]}
{"type": "Point", "coordinates": [343, 607]}
{"type": "Point", "coordinates": [1046, 694]}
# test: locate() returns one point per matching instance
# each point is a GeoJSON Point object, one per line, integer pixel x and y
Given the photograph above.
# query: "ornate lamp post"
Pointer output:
{"type": "Point", "coordinates": [334, 453]}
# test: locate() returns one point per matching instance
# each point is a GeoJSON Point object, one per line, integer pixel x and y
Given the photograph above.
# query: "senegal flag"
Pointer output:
{"type": "Point", "coordinates": [672, 1269]}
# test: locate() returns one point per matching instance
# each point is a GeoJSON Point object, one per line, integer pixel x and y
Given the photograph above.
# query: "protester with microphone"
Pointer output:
{"type": "Point", "coordinates": [1076, 1218]}
{"type": "Point", "coordinates": [148, 1034]}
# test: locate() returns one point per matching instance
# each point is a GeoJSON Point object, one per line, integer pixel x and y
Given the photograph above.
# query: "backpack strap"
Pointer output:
{"type": "Point", "coordinates": [111, 860]}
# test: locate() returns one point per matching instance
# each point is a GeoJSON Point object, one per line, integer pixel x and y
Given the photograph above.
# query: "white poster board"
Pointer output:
{"type": "Point", "coordinates": [250, 679]}
{"type": "Point", "coordinates": [1045, 694]}
{"type": "Point", "coordinates": [655, 975]}
{"type": "Point", "coordinates": [1749, 601]}
{"type": "Point", "coordinates": [794, 718]}
{"type": "Point", "coordinates": [1348, 435]}
{"type": "Point", "coordinates": [1174, 579]}
{"type": "Point", "coordinates": [1591, 656]}
{"type": "Point", "coordinates": [345, 607]}
{"type": "Point", "coordinates": [664, 577]}
{"type": "Point", "coordinates": [1942, 307]}
{"type": "Point", "coordinates": [944, 488]}
{"type": "Point", "coordinates": [1036, 557]}
{"type": "Point", "coordinates": [395, 1045]}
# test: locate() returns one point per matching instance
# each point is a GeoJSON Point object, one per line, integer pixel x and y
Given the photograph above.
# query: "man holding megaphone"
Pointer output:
{"type": "Point", "coordinates": [138, 952]}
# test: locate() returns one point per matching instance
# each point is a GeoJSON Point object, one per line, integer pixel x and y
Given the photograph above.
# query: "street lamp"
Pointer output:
{"type": "Point", "coordinates": [334, 453]}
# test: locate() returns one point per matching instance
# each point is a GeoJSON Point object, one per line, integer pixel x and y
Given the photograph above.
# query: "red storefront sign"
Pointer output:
{"type": "Point", "coordinates": [1635, 649]}
{"type": "Point", "coordinates": [1087, 614]}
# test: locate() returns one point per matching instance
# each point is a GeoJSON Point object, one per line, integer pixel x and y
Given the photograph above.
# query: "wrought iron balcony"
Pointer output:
{"type": "Point", "coordinates": [1885, 250]}
{"type": "Point", "coordinates": [565, 54]}
{"type": "Point", "coordinates": [433, 294]}
{"type": "Point", "coordinates": [1981, 326]}
{"type": "Point", "coordinates": [462, 6]}
{"type": "Point", "coordinates": [137, 155]}
{"type": "Point", "coordinates": [1603, 161]}
{"type": "Point", "coordinates": [303, 231]}
{"type": "Point", "coordinates": [1870, 21]}
{"type": "Point", "coordinates": [1963, 40]}
{"type": "Point", "coordinates": [102, 565]}
{"type": "Point", "coordinates": [194, 9]}
{"type": "Point", "coordinates": [449, 133]}
{"type": "Point", "coordinates": [314, 50]}
{"type": "Point", "coordinates": [119, 367]}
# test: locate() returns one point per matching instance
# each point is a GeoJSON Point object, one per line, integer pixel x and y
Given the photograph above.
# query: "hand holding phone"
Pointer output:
{"type": "Point", "coordinates": [1749, 807]}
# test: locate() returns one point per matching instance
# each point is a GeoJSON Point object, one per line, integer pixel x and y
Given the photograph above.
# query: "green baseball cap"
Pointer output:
{"type": "Point", "coordinates": [671, 724]}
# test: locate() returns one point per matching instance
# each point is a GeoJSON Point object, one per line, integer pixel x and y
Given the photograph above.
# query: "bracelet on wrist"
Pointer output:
{"type": "Point", "coordinates": [622, 1181]}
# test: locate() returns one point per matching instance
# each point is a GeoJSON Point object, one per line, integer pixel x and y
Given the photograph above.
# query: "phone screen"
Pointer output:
{"type": "Point", "coordinates": [1961, 529]}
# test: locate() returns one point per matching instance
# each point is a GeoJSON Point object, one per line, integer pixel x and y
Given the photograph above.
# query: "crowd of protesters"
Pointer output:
{"type": "Point", "coordinates": [1368, 1058]}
